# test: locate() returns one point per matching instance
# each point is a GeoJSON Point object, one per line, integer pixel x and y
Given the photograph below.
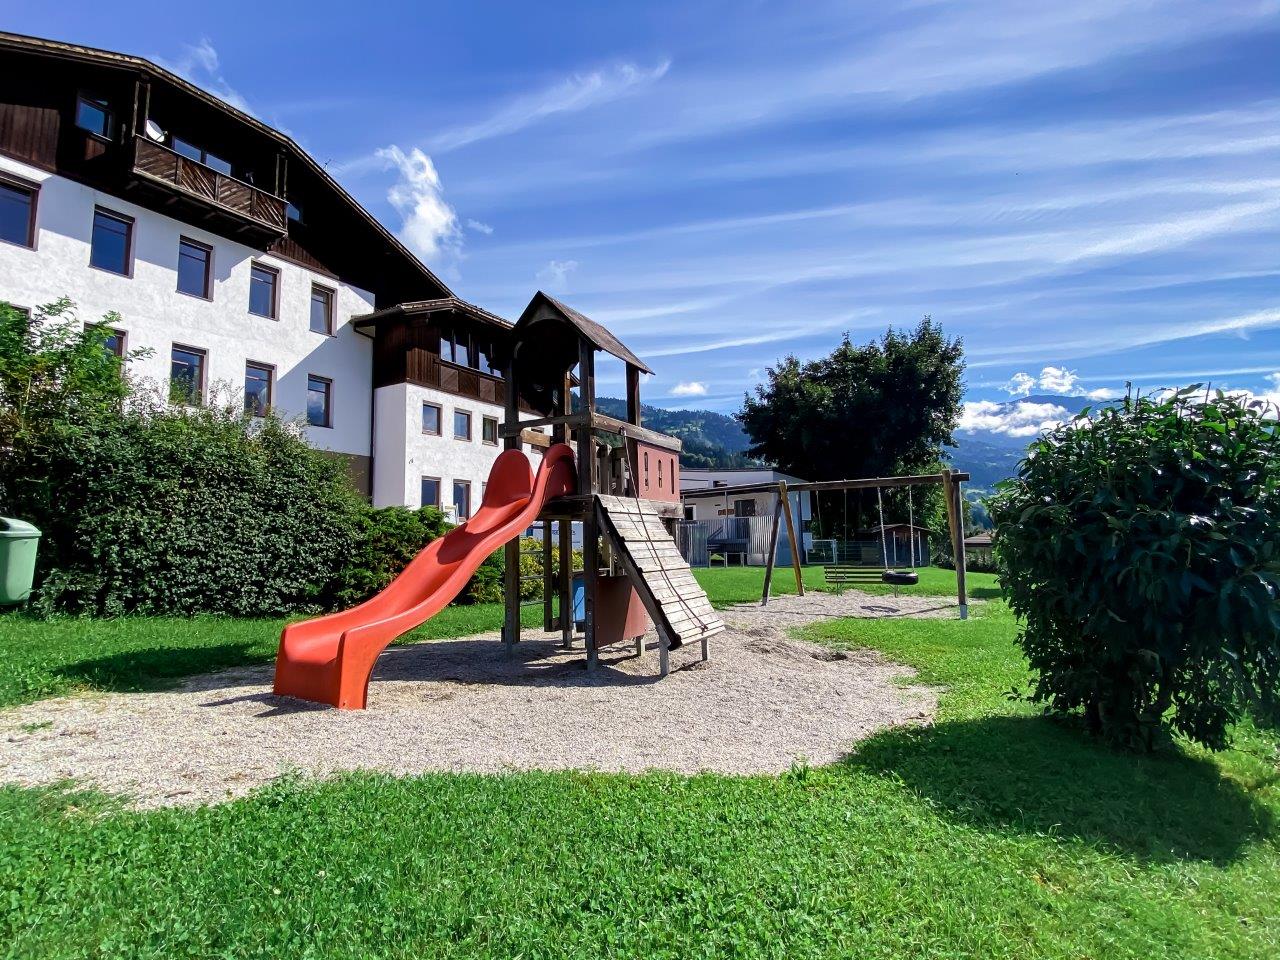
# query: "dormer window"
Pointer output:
{"type": "Point", "coordinates": [201, 155]}
{"type": "Point", "coordinates": [94, 115]}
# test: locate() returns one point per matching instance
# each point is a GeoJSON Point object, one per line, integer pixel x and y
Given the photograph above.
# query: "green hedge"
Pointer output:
{"type": "Point", "coordinates": [158, 511]}
{"type": "Point", "coordinates": [151, 509]}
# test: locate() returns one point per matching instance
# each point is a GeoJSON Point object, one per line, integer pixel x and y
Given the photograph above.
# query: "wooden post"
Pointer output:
{"type": "Point", "coordinates": [633, 394]}
{"type": "Point", "coordinates": [955, 524]}
{"type": "Point", "coordinates": [548, 580]}
{"type": "Point", "coordinates": [785, 500]}
{"type": "Point", "coordinates": [566, 582]}
{"type": "Point", "coordinates": [511, 553]}
{"type": "Point", "coordinates": [773, 549]}
{"type": "Point", "coordinates": [587, 488]}
{"type": "Point", "coordinates": [564, 527]}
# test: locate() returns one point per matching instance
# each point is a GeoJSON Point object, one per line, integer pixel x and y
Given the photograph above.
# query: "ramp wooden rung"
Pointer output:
{"type": "Point", "coordinates": [675, 602]}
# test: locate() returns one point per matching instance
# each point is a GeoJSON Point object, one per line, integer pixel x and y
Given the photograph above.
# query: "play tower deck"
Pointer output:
{"type": "Point", "coordinates": [628, 493]}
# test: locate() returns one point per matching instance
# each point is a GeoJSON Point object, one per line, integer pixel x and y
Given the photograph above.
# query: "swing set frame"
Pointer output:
{"type": "Point", "coordinates": [949, 480]}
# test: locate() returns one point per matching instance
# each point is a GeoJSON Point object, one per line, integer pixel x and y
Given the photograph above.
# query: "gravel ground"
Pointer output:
{"type": "Point", "coordinates": [763, 701]}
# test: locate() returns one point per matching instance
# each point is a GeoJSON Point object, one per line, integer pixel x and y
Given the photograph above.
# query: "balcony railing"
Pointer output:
{"type": "Point", "coordinates": [190, 177]}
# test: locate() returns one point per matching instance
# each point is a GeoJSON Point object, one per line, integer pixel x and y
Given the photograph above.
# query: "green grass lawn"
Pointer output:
{"type": "Point", "coordinates": [46, 658]}
{"type": "Point", "coordinates": [994, 833]}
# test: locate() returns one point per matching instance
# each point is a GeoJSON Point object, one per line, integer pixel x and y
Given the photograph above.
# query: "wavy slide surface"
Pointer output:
{"type": "Point", "coordinates": [329, 659]}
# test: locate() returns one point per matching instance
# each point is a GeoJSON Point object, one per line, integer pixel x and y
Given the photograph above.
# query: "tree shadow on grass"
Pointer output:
{"type": "Point", "coordinates": [157, 667]}
{"type": "Point", "coordinates": [1041, 777]}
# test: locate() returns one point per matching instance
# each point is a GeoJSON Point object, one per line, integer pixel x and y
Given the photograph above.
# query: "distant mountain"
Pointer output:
{"type": "Point", "coordinates": [715, 440]}
{"type": "Point", "coordinates": [710, 439]}
{"type": "Point", "coordinates": [992, 455]}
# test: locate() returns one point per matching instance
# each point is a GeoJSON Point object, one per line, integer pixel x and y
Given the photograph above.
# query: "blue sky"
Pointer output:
{"type": "Point", "coordinates": [1087, 193]}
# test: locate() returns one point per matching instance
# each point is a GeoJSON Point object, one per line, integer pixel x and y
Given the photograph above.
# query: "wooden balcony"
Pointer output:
{"type": "Point", "coordinates": [243, 207]}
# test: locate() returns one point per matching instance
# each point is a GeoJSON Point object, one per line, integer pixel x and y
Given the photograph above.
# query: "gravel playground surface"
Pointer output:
{"type": "Point", "coordinates": [762, 702]}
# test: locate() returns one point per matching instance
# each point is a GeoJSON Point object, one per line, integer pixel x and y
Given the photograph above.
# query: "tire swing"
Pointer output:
{"type": "Point", "coordinates": [898, 578]}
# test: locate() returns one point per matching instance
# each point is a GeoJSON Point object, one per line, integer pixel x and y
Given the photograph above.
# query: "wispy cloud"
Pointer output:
{"type": "Point", "coordinates": [428, 224]}
{"type": "Point", "coordinates": [579, 91]}
{"type": "Point", "coordinates": [479, 227]}
{"type": "Point", "coordinates": [199, 63]}
{"type": "Point", "coordinates": [555, 275]}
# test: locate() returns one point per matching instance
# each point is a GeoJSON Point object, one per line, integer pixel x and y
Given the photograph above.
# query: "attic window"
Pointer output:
{"type": "Point", "coordinates": [94, 115]}
{"type": "Point", "coordinates": [293, 212]}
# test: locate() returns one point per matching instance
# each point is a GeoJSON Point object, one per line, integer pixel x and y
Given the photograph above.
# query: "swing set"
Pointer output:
{"type": "Point", "coordinates": [840, 572]}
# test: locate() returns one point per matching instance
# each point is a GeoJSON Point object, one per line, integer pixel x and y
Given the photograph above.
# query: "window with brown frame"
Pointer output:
{"type": "Point", "coordinates": [319, 401]}
{"type": "Point", "coordinates": [431, 417]}
{"type": "Point", "coordinates": [489, 430]}
{"type": "Point", "coordinates": [264, 291]}
{"type": "Point", "coordinates": [430, 492]}
{"type": "Point", "coordinates": [461, 425]}
{"type": "Point", "coordinates": [462, 498]}
{"type": "Point", "coordinates": [195, 260]}
{"type": "Point", "coordinates": [111, 244]}
{"type": "Point", "coordinates": [18, 211]}
{"type": "Point", "coordinates": [259, 379]}
{"type": "Point", "coordinates": [321, 310]}
{"type": "Point", "coordinates": [113, 341]}
{"type": "Point", "coordinates": [187, 375]}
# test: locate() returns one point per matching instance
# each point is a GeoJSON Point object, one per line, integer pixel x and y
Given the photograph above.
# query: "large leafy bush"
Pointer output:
{"type": "Point", "coordinates": [1141, 548]}
{"type": "Point", "coordinates": [162, 511]}
{"type": "Point", "coordinates": [386, 540]}
{"type": "Point", "coordinates": [147, 508]}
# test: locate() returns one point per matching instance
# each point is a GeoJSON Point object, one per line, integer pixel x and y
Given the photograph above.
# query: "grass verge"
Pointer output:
{"type": "Point", "coordinates": [995, 833]}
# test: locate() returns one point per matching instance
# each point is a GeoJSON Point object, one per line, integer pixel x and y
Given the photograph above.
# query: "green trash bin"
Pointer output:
{"type": "Point", "coordinates": [18, 542]}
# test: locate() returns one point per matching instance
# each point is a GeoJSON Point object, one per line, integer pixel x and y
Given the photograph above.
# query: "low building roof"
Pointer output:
{"type": "Point", "coordinates": [418, 308]}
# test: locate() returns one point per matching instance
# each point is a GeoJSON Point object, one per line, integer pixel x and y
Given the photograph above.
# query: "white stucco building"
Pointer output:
{"type": "Point", "coordinates": [242, 268]}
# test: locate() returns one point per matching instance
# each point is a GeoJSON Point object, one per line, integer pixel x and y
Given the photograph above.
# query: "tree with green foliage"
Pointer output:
{"type": "Point", "coordinates": [877, 409]}
{"type": "Point", "coordinates": [54, 371]}
{"type": "Point", "coordinates": [150, 508]}
{"type": "Point", "coordinates": [1141, 548]}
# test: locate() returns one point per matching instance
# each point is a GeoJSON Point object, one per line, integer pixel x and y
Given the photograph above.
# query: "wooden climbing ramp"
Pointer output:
{"type": "Point", "coordinates": [674, 600]}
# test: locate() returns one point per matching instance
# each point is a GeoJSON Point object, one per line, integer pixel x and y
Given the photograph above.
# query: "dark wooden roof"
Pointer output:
{"type": "Point", "coordinates": [422, 308]}
{"type": "Point", "coordinates": [107, 58]}
{"type": "Point", "coordinates": [543, 306]}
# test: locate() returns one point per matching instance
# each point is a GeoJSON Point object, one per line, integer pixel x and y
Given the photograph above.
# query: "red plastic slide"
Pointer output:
{"type": "Point", "coordinates": [329, 659]}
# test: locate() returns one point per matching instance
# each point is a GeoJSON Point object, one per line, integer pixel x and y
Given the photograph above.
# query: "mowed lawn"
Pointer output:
{"type": "Point", "coordinates": [47, 658]}
{"type": "Point", "coordinates": [993, 833]}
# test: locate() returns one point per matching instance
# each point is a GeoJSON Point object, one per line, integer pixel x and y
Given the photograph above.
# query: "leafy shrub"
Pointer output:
{"type": "Point", "coordinates": [1142, 551]}
{"type": "Point", "coordinates": [151, 509]}
{"type": "Point", "coordinates": [54, 372]}
{"type": "Point", "coordinates": [158, 511]}
{"type": "Point", "coordinates": [386, 539]}
{"type": "Point", "coordinates": [486, 586]}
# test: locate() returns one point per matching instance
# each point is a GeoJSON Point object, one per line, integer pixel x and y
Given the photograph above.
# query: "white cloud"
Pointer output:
{"type": "Point", "coordinates": [1058, 380]}
{"type": "Point", "coordinates": [479, 227]}
{"type": "Point", "coordinates": [576, 92]}
{"type": "Point", "coordinates": [689, 388]}
{"type": "Point", "coordinates": [1055, 380]}
{"type": "Point", "coordinates": [429, 226]}
{"type": "Point", "coordinates": [1020, 419]}
{"type": "Point", "coordinates": [199, 64]}
{"type": "Point", "coordinates": [1020, 384]}
{"type": "Point", "coordinates": [555, 275]}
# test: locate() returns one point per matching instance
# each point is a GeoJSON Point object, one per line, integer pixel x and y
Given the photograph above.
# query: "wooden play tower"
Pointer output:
{"type": "Point", "coordinates": [628, 495]}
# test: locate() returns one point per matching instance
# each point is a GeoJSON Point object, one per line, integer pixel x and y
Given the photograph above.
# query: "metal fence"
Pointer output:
{"type": "Point", "coordinates": [867, 553]}
{"type": "Point", "coordinates": [742, 540]}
